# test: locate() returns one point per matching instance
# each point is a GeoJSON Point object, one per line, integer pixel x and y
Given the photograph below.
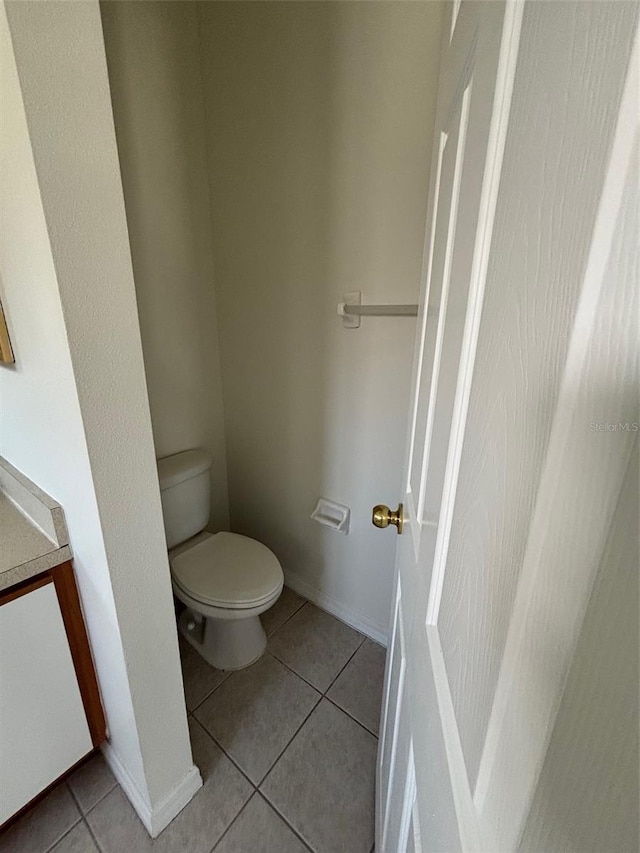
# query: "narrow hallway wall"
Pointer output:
{"type": "Point", "coordinates": [156, 87]}
{"type": "Point", "coordinates": [75, 415]}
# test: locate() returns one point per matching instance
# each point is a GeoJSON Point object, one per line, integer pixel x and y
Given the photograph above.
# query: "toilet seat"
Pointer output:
{"type": "Point", "coordinates": [227, 570]}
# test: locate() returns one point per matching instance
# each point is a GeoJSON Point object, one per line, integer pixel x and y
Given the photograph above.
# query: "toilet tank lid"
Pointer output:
{"type": "Point", "coordinates": [181, 466]}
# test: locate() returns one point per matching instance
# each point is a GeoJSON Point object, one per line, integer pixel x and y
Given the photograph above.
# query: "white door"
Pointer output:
{"type": "Point", "coordinates": [477, 66]}
{"type": "Point", "coordinates": [438, 789]}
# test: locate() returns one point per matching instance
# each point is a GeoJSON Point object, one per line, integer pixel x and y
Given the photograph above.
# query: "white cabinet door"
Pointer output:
{"type": "Point", "coordinates": [43, 726]}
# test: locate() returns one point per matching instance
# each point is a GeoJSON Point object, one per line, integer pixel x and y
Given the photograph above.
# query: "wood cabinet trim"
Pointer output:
{"type": "Point", "coordinates": [25, 587]}
{"type": "Point", "coordinates": [71, 610]}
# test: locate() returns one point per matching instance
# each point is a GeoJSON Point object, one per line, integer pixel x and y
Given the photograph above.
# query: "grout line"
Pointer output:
{"type": "Point", "coordinates": [339, 673]}
{"type": "Point", "coordinates": [64, 834]}
{"type": "Point", "coordinates": [284, 819]}
{"type": "Point", "coordinates": [301, 677]}
{"type": "Point", "coordinates": [351, 657]}
{"type": "Point", "coordinates": [289, 742]}
{"type": "Point", "coordinates": [103, 797]}
{"type": "Point", "coordinates": [363, 639]}
{"type": "Point", "coordinates": [224, 751]}
{"type": "Point", "coordinates": [277, 758]}
{"type": "Point", "coordinates": [83, 816]}
{"type": "Point", "coordinates": [253, 794]}
{"type": "Point", "coordinates": [270, 806]}
{"type": "Point", "coordinates": [73, 796]}
{"type": "Point", "coordinates": [228, 675]}
{"type": "Point", "coordinates": [92, 834]}
{"type": "Point", "coordinates": [351, 717]}
{"type": "Point", "coordinates": [289, 617]}
{"type": "Point", "coordinates": [323, 695]}
{"type": "Point", "coordinates": [326, 696]}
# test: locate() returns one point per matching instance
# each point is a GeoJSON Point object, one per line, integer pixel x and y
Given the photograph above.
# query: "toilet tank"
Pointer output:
{"type": "Point", "coordinates": [185, 493]}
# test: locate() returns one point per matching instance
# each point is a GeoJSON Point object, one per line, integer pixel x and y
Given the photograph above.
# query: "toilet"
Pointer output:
{"type": "Point", "coordinates": [225, 580]}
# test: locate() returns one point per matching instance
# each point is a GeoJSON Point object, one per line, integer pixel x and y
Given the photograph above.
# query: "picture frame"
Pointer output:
{"type": "Point", "coordinates": [6, 350]}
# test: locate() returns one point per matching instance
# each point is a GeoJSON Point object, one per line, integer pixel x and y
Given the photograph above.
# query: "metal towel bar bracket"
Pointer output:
{"type": "Point", "coordinates": [351, 310]}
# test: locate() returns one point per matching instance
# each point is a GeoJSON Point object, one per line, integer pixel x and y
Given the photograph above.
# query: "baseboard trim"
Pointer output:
{"type": "Point", "coordinates": [331, 605]}
{"type": "Point", "coordinates": [160, 816]}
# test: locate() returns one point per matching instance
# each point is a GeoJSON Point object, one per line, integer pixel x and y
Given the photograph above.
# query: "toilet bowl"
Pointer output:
{"type": "Point", "coordinates": [225, 580]}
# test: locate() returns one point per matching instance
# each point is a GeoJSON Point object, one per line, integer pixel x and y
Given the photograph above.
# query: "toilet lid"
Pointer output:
{"type": "Point", "coordinates": [228, 570]}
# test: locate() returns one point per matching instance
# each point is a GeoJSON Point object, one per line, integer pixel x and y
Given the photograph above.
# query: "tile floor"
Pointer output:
{"type": "Point", "coordinates": [286, 748]}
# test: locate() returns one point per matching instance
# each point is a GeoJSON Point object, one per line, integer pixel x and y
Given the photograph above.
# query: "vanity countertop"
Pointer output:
{"type": "Point", "coordinates": [33, 534]}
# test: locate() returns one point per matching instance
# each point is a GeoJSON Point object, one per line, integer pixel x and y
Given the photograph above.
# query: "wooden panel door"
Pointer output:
{"type": "Point", "coordinates": [419, 801]}
{"type": "Point", "coordinates": [468, 709]}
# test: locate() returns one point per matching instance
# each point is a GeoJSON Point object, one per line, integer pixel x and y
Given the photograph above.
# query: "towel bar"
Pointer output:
{"type": "Point", "coordinates": [351, 310]}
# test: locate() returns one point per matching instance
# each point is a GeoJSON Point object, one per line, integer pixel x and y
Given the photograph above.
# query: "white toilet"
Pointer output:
{"type": "Point", "coordinates": [225, 580]}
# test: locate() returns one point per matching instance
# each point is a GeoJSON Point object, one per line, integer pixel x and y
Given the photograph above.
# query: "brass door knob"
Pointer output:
{"type": "Point", "coordinates": [382, 517]}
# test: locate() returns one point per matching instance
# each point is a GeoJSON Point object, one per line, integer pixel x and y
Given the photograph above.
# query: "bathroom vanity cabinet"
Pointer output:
{"type": "Point", "coordinates": [50, 711]}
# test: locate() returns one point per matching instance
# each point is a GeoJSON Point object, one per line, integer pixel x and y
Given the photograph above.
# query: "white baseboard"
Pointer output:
{"type": "Point", "coordinates": [331, 605]}
{"type": "Point", "coordinates": [155, 818]}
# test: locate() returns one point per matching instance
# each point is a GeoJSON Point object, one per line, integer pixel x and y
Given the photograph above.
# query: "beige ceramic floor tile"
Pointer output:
{"type": "Point", "coordinates": [43, 825]}
{"type": "Point", "coordinates": [198, 826]}
{"type": "Point", "coordinates": [79, 840]}
{"type": "Point", "coordinates": [358, 688]}
{"type": "Point", "coordinates": [199, 678]}
{"type": "Point", "coordinates": [256, 712]}
{"type": "Point", "coordinates": [324, 783]}
{"type": "Point", "coordinates": [315, 645]}
{"type": "Point", "coordinates": [284, 608]}
{"type": "Point", "coordinates": [258, 829]}
{"type": "Point", "coordinates": [91, 782]}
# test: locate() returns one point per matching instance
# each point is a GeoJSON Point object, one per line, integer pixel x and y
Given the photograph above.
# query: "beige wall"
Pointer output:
{"type": "Point", "coordinates": [319, 119]}
{"type": "Point", "coordinates": [75, 414]}
{"type": "Point", "coordinates": [318, 133]}
{"type": "Point", "coordinates": [155, 78]}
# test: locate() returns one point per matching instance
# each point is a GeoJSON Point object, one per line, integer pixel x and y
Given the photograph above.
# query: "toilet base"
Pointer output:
{"type": "Point", "coordinates": [224, 643]}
